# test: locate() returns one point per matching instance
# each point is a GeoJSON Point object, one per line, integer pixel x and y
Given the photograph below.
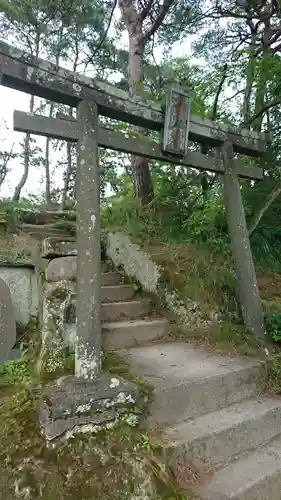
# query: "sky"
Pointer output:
{"type": "Point", "coordinates": [11, 100]}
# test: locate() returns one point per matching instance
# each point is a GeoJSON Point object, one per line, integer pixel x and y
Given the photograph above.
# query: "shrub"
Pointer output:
{"type": "Point", "coordinates": [273, 325]}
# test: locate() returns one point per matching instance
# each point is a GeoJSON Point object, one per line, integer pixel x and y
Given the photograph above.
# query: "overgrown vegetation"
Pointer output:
{"type": "Point", "coordinates": [123, 462]}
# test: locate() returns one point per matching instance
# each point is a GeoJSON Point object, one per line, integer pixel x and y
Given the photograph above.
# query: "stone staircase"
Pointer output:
{"type": "Point", "coordinates": [221, 433]}
{"type": "Point", "coordinates": [43, 231]}
{"type": "Point", "coordinates": [128, 319]}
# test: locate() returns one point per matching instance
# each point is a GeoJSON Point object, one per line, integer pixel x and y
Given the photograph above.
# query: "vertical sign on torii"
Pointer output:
{"type": "Point", "coordinates": [175, 137]}
{"type": "Point", "coordinates": [21, 71]}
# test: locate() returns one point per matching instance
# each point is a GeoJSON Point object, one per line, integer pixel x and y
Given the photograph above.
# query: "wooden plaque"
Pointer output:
{"type": "Point", "coordinates": [176, 124]}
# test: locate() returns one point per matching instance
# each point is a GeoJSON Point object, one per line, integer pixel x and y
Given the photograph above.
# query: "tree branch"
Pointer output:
{"type": "Point", "coordinates": [164, 9]}
{"type": "Point", "coordinates": [267, 203]}
{"type": "Point", "coordinates": [220, 86]}
{"type": "Point", "coordinates": [265, 108]}
{"type": "Point", "coordinates": [102, 40]}
{"type": "Point", "coordinates": [145, 11]}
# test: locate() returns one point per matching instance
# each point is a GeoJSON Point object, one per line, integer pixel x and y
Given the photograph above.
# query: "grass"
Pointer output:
{"type": "Point", "coordinates": [122, 463]}
{"type": "Point", "coordinates": [195, 272]}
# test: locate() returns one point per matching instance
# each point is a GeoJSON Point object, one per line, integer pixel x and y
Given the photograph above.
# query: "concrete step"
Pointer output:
{"type": "Point", "coordinates": [254, 477]}
{"type": "Point", "coordinates": [191, 382]}
{"type": "Point", "coordinates": [113, 311]}
{"type": "Point", "coordinates": [125, 334]}
{"type": "Point", "coordinates": [42, 232]}
{"type": "Point", "coordinates": [219, 437]}
{"type": "Point", "coordinates": [117, 293]}
{"type": "Point", "coordinates": [110, 278]}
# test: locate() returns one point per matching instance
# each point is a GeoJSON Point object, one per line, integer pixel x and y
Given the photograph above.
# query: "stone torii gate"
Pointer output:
{"type": "Point", "coordinates": [93, 98]}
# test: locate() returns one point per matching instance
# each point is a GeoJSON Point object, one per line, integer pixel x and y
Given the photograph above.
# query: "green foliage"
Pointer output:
{"type": "Point", "coordinates": [273, 325]}
{"type": "Point", "coordinates": [15, 371]}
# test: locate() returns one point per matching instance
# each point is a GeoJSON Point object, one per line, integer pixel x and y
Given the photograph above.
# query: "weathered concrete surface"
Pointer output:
{"type": "Point", "coordinates": [88, 288]}
{"type": "Point", "coordinates": [123, 334]}
{"type": "Point", "coordinates": [8, 333]}
{"type": "Point", "coordinates": [254, 477]}
{"type": "Point", "coordinates": [113, 311]}
{"type": "Point", "coordinates": [190, 382]}
{"type": "Point", "coordinates": [56, 247]}
{"type": "Point", "coordinates": [219, 437]}
{"type": "Point", "coordinates": [61, 85]}
{"type": "Point", "coordinates": [41, 232]}
{"type": "Point", "coordinates": [62, 268]}
{"type": "Point", "coordinates": [65, 268]}
{"type": "Point", "coordinates": [23, 286]}
{"type": "Point", "coordinates": [246, 280]}
{"type": "Point", "coordinates": [68, 130]}
{"type": "Point", "coordinates": [117, 293]}
{"type": "Point", "coordinates": [72, 405]}
{"type": "Point", "coordinates": [55, 303]}
{"type": "Point", "coordinates": [140, 266]}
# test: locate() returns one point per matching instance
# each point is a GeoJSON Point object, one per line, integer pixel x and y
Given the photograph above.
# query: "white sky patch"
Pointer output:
{"type": "Point", "coordinates": [11, 100]}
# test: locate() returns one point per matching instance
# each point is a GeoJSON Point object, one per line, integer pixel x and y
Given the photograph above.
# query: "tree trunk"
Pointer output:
{"type": "Point", "coordinates": [47, 172]}
{"type": "Point", "coordinates": [6, 157]}
{"type": "Point", "coordinates": [141, 176]}
{"type": "Point", "coordinates": [26, 161]}
{"type": "Point", "coordinates": [246, 112]}
{"type": "Point", "coordinates": [69, 145]}
{"type": "Point", "coordinates": [142, 181]}
{"type": "Point", "coordinates": [274, 193]}
{"type": "Point", "coordinates": [26, 147]}
{"type": "Point", "coordinates": [47, 164]}
{"type": "Point", "coordinates": [67, 174]}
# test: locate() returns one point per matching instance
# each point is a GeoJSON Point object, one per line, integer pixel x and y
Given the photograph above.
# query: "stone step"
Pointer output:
{"type": "Point", "coordinates": [41, 232]}
{"type": "Point", "coordinates": [110, 278]}
{"type": "Point", "coordinates": [254, 477]}
{"type": "Point", "coordinates": [190, 382]}
{"type": "Point", "coordinates": [125, 334]}
{"type": "Point", "coordinates": [113, 311]}
{"type": "Point", "coordinates": [114, 293]}
{"type": "Point", "coordinates": [117, 293]}
{"type": "Point", "coordinates": [65, 268]}
{"type": "Point", "coordinates": [44, 216]}
{"type": "Point", "coordinates": [219, 437]}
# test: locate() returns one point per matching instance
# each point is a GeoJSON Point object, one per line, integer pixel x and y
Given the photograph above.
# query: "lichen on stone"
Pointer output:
{"type": "Point", "coordinates": [140, 267]}
{"type": "Point", "coordinates": [55, 303]}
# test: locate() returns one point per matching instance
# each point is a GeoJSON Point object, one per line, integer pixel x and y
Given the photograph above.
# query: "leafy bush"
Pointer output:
{"type": "Point", "coordinates": [15, 370]}
{"type": "Point", "coordinates": [273, 325]}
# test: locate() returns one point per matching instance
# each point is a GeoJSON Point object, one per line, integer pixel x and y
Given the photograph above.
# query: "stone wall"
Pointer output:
{"type": "Point", "coordinates": [22, 282]}
{"type": "Point", "coordinates": [139, 266]}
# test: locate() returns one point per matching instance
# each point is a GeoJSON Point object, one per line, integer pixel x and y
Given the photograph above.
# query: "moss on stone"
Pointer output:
{"type": "Point", "coordinates": [120, 463]}
{"type": "Point", "coordinates": [54, 356]}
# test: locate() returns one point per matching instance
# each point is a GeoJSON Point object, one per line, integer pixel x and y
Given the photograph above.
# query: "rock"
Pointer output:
{"type": "Point", "coordinates": [62, 268]}
{"type": "Point", "coordinates": [71, 405]}
{"type": "Point", "coordinates": [8, 332]}
{"type": "Point", "coordinates": [58, 247]}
